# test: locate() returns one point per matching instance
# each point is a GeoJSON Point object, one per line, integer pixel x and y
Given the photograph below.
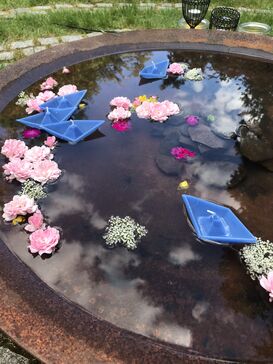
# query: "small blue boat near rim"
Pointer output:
{"type": "Point", "coordinates": [156, 70]}
{"type": "Point", "coordinates": [216, 223]}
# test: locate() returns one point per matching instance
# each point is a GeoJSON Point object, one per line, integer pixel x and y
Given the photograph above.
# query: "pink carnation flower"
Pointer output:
{"type": "Point", "coordinates": [36, 154]}
{"type": "Point", "coordinates": [49, 84]}
{"type": "Point", "coordinates": [45, 171]}
{"type": "Point", "coordinates": [176, 69]}
{"type": "Point", "coordinates": [67, 89]}
{"type": "Point", "coordinates": [182, 153]}
{"type": "Point", "coordinates": [14, 148]}
{"type": "Point", "coordinates": [20, 205]}
{"type": "Point", "coordinates": [121, 101]}
{"type": "Point", "coordinates": [45, 96]}
{"type": "Point", "coordinates": [267, 284]}
{"type": "Point", "coordinates": [119, 113]}
{"type": "Point", "coordinates": [18, 169]}
{"type": "Point", "coordinates": [144, 110]}
{"type": "Point", "coordinates": [35, 222]}
{"type": "Point", "coordinates": [31, 133]}
{"type": "Point", "coordinates": [192, 120]}
{"type": "Point", "coordinates": [44, 241]}
{"type": "Point", "coordinates": [50, 142]}
{"type": "Point", "coordinates": [33, 105]}
{"type": "Point", "coordinates": [159, 112]}
{"type": "Point", "coordinates": [171, 107]}
{"type": "Point", "coordinates": [65, 70]}
{"type": "Point", "coordinates": [121, 125]}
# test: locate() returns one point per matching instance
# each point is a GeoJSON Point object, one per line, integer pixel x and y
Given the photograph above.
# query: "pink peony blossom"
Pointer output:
{"type": "Point", "coordinates": [176, 69]}
{"type": "Point", "coordinates": [45, 171]}
{"type": "Point", "coordinates": [44, 241]}
{"type": "Point", "coordinates": [67, 89]}
{"type": "Point", "coordinates": [136, 103]}
{"type": "Point", "coordinates": [121, 102]}
{"type": "Point", "coordinates": [267, 284]}
{"type": "Point", "coordinates": [49, 84]}
{"type": "Point", "coordinates": [144, 110]}
{"type": "Point", "coordinates": [172, 108]}
{"type": "Point", "coordinates": [33, 105]}
{"type": "Point", "coordinates": [35, 222]}
{"type": "Point", "coordinates": [182, 153]}
{"type": "Point", "coordinates": [159, 112]}
{"type": "Point", "coordinates": [192, 120]}
{"type": "Point", "coordinates": [45, 96]}
{"type": "Point", "coordinates": [14, 148]}
{"type": "Point", "coordinates": [36, 154]}
{"type": "Point", "coordinates": [50, 142]}
{"type": "Point", "coordinates": [18, 169]}
{"type": "Point", "coordinates": [65, 70]}
{"type": "Point", "coordinates": [31, 133]}
{"type": "Point", "coordinates": [121, 125]}
{"type": "Point", "coordinates": [119, 113]}
{"type": "Point", "coordinates": [20, 205]}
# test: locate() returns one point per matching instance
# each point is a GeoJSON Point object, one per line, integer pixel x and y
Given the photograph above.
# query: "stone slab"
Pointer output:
{"type": "Point", "coordinates": [71, 38]}
{"type": "Point", "coordinates": [22, 44]}
{"type": "Point", "coordinates": [6, 56]}
{"type": "Point", "coordinates": [203, 134]}
{"type": "Point", "coordinates": [48, 41]}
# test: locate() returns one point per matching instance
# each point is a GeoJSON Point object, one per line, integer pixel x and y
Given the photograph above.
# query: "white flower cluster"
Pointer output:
{"type": "Point", "coordinates": [258, 258]}
{"type": "Point", "coordinates": [195, 74]}
{"type": "Point", "coordinates": [32, 190]}
{"type": "Point", "coordinates": [23, 99]}
{"type": "Point", "coordinates": [125, 231]}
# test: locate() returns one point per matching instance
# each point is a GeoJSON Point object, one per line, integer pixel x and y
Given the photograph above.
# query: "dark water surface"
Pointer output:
{"type": "Point", "coordinates": [171, 288]}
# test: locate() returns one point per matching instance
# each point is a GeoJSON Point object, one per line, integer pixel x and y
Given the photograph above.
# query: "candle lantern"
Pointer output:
{"type": "Point", "coordinates": [224, 18]}
{"type": "Point", "coordinates": [194, 11]}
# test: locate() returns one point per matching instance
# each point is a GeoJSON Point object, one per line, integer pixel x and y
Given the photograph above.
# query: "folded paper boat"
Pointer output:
{"type": "Point", "coordinates": [216, 223]}
{"type": "Point", "coordinates": [73, 131]}
{"type": "Point", "coordinates": [66, 101]}
{"type": "Point", "coordinates": [157, 70]}
{"type": "Point", "coordinates": [50, 116]}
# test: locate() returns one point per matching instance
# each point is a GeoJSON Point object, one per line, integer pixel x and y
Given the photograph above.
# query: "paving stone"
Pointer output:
{"type": "Point", "coordinates": [35, 12]}
{"type": "Point", "coordinates": [104, 5]}
{"type": "Point", "coordinates": [39, 48]}
{"type": "Point", "coordinates": [85, 6]}
{"type": "Point", "coordinates": [43, 7]}
{"type": "Point", "coordinates": [64, 6]}
{"type": "Point", "coordinates": [71, 38]}
{"type": "Point", "coordinates": [6, 56]}
{"type": "Point", "coordinates": [19, 11]}
{"type": "Point", "coordinates": [2, 48]}
{"type": "Point", "coordinates": [48, 41]}
{"type": "Point", "coordinates": [93, 34]}
{"type": "Point", "coordinates": [22, 44]}
{"type": "Point", "coordinates": [28, 51]}
{"type": "Point", "coordinates": [9, 14]}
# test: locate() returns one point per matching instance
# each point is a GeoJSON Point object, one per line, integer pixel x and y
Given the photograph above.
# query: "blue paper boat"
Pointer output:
{"type": "Point", "coordinates": [216, 223]}
{"type": "Point", "coordinates": [157, 70]}
{"type": "Point", "coordinates": [50, 116]}
{"type": "Point", "coordinates": [73, 131]}
{"type": "Point", "coordinates": [71, 100]}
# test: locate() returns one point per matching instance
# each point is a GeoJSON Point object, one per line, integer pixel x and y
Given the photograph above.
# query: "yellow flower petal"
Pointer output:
{"type": "Point", "coordinates": [18, 220]}
{"type": "Point", "coordinates": [184, 185]}
{"type": "Point", "coordinates": [82, 106]}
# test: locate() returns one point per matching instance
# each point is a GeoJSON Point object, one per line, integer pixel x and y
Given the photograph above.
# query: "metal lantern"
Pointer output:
{"type": "Point", "coordinates": [224, 18]}
{"type": "Point", "coordinates": [194, 11]}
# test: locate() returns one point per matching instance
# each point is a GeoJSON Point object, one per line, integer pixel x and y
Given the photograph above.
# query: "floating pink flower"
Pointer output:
{"type": "Point", "coordinates": [20, 205]}
{"type": "Point", "coordinates": [35, 222]}
{"type": "Point", "coordinates": [136, 103]}
{"type": "Point", "coordinates": [18, 169]}
{"type": "Point", "coordinates": [67, 89]}
{"type": "Point", "coordinates": [192, 120]}
{"type": "Point", "coordinates": [50, 142]}
{"type": "Point", "coordinates": [182, 153]}
{"type": "Point", "coordinates": [31, 133]}
{"type": "Point", "coordinates": [176, 69]}
{"type": "Point", "coordinates": [45, 171]}
{"type": "Point", "coordinates": [121, 125]}
{"type": "Point", "coordinates": [44, 241]}
{"type": "Point", "coordinates": [171, 107]}
{"type": "Point", "coordinates": [45, 96]}
{"type": "Point", "coordinates": [14, 148]}
{"type": "Point", "coordinates": [49, 84]}
{"type": "Point", "coordinates": [121, 101]}
{"type": "Point", "coordinates": [33, 105]}
{"type": "Point", "coordinates": [159, 112]}
{"type": "Point", "coordinates": [267, 284]}
{"type": "Point", "coordinates": [119, 113]}
{"type": "Point", "coordinates": [65, 70]}
{"type": "Point", "coordinates": [36, 154]}
{"type": "Point", "coordinates": [144, 110]}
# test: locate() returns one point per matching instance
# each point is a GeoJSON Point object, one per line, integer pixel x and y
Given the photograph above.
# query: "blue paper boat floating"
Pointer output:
{"type": "Point", "coordinates": [50, 116]}
{"type": "Point", "coordinates": [73, 131]}
{"type": "Point", "coordinates": [157, 70]}
{"type": "Point", "coordinates": [70, 100]}
{"type": "Point", "coordinates": [216, 223]}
